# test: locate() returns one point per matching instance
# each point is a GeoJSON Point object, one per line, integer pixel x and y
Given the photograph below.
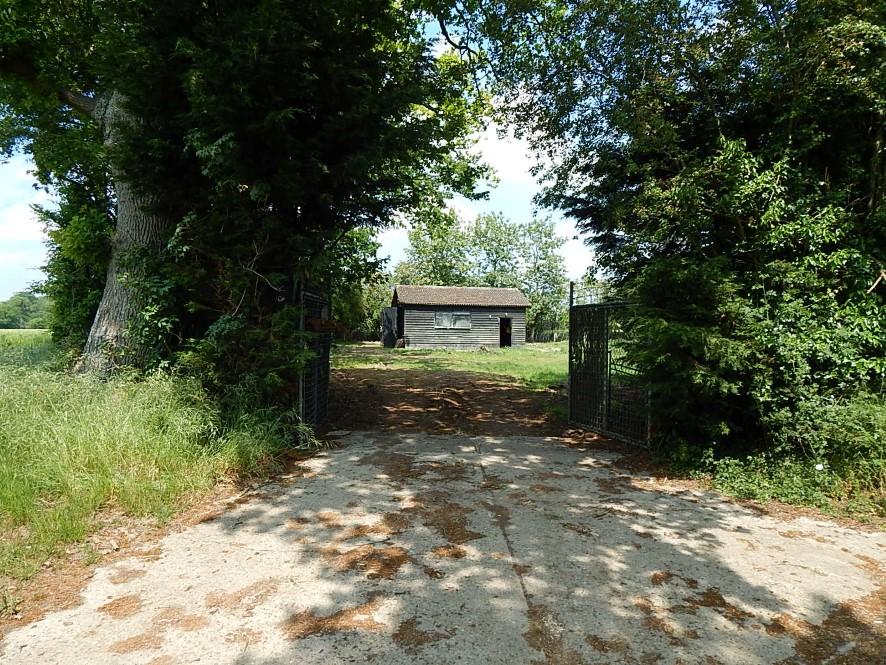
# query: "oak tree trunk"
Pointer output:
{"type": "Point", "coordinates": [139, 234]}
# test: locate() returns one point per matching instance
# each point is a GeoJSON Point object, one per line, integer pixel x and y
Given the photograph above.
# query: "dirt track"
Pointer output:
{"type": "Point", "coordinates": [485, 542]}
{"type": "Point", "coordinates": [441, 402]}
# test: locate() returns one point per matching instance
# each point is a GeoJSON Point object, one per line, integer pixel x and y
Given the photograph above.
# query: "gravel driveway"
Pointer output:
{"type": "Point", "coordinates": [442, 549]}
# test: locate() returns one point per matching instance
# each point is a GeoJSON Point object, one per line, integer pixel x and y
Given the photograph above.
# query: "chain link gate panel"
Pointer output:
{"type": "Point", "coordinates": [313, 388]}
{"type": "Point", "coordinates": [606, 393]}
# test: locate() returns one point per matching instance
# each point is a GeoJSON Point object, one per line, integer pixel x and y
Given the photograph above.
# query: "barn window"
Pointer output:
{"type": "Point", "coordinates": [459, 320]}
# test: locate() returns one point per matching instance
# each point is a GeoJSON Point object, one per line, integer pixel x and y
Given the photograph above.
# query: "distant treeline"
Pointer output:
{"type": "Point", "coordinates": [25, 310]}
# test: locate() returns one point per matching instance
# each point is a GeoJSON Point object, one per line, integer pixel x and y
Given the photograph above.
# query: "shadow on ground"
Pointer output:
{"type": "Point", "coordinates": [441, 402]}
{"type": "Point", "coordinates": [416, 548]}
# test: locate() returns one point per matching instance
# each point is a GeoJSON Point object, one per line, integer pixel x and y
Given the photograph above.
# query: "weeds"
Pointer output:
{"type": "Point", "coordinates": [9, 605]}
{"type": "Point", "coordinates": [834, 459]}
{"type": "Point", "coordinates": [72, 446]}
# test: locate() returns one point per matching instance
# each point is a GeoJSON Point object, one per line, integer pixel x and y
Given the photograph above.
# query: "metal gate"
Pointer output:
{"type": "Point", "coordinates": [606, 392]}
{"type": "Point", "coordinates": [313, 380]}
{"type": "Point", "coordinates": [389, 332]}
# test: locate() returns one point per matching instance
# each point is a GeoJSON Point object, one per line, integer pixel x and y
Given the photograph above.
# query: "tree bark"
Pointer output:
{"type": "Point", "coordinates": [139, 234]}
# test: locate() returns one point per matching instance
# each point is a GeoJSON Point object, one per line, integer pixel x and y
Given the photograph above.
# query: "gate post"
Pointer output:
{"type": "Point", "coordinates": [605, 365]}
{"type": "Point", "coordinates": [569, 355]}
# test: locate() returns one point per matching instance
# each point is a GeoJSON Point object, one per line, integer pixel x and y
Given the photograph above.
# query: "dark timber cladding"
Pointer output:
{"type": "Point", "coordinates": [435, 317]}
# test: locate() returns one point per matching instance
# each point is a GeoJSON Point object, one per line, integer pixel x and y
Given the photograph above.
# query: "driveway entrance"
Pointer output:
{"type": "Point", "coordinates": [420, 548]}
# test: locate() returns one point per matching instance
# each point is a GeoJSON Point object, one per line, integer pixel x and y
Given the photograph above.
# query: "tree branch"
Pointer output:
{"type": "Point", "coordinates": [462, 48]}
{"type": "Point", "coordinates": [876, 283]}
{"type": "Point", "coordinates": [25, 71]}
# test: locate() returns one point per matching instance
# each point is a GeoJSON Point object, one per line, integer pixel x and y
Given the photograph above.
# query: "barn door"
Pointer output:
{"type": "Point", "coordinates": [389, 327]}
{"type": "Point", "coordinates": [504, 332]}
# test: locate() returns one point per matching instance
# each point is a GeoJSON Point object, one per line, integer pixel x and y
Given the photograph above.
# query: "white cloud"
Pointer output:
{"type": "Point", "coordinates": [22, 251]}
{"type": "Point", "coordinates": [510, 157]}
{"type": "Point", "coordinates": [19, 223]}
{"type": "Point", "coordinates": [465, 209]}
{"type": "Point", "coordinates": [578, 257]}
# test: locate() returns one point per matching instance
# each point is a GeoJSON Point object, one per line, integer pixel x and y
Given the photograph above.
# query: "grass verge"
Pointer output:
{"type": "Point", "coordinates": [73, 446]}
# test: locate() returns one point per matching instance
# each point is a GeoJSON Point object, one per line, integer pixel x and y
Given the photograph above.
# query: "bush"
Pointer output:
{"type": "Point", "coordinates": [832, 455]}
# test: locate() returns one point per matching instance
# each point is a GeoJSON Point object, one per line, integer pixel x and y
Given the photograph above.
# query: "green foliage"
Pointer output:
{"type": "Point", "coordinates": [79, 250]}
{"type": "Point", "coordinates": [496, 249]}
{"type": "Point", "coordinates": [438, 250]}
{"type": "Point", "coordinates": [543, 281]}
{"type": "Point", "coordinates": [359, 285]}
{"type": "Point", "coordinates": [9, 605]}
{"type": "Point", "coordinates": [728, 162]}
{"type": "Point", "coordinates": [300, 169]}
{"type": "Point", "coordinates": [24, 310]}
{"type": "Point", "coordinates": [254, 365]}
{"type": "Point", "coordinates": [283, 131]}
{"type": "Point", "coordinates": [356, 306]}
{"type": "Point", "coordinates": [685, 346]}
{"type": "Point", "coordinates": [839, 465]}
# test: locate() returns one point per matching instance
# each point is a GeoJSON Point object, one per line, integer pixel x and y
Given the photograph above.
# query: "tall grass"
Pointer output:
{"type": "Point", "coordinates": [71, 446]}
{"type": "Point", "coordinates": [27, 348]}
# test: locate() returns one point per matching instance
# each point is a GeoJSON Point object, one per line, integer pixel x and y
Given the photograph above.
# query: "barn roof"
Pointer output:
{"type": "Point", "coordinates": [459, 296]}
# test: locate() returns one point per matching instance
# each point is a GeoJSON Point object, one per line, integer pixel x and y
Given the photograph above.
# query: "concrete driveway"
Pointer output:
{"type": "Point", "coordinates": [440, 549]}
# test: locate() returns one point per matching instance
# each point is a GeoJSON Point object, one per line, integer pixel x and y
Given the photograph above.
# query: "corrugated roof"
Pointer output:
{"type": "Point", "coordinates": [463, 296]}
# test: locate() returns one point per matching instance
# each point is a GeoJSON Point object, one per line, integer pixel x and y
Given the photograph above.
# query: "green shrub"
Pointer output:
{"type": "Point", "coordinates": [832, 456]}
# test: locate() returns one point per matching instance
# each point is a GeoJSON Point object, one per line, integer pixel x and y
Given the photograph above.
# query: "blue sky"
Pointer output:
{"type": "Point", "coordinates": [22, 249]}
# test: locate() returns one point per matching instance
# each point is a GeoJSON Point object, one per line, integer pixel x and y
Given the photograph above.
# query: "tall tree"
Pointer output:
{"type": "Point", "coordinates": [239, 137]}
{"type": "Point", "coordinates": [24, 310]}
{"type": "Point", "coordinates": [543, 280]}
{"type": "Point", "coordinates": [438, 251]}
{"type": "Point", "coordinates": [726, 159]}
{"type": "Point", "coordinates": [495, 251]}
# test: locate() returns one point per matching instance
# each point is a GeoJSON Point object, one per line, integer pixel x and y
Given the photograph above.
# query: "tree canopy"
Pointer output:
{"type": "Point", "coordinates": [24, 310]}
{"type": "Point", "coordinates": [208, 153]}
{"type": "Point", "coordinates": [726, 161]}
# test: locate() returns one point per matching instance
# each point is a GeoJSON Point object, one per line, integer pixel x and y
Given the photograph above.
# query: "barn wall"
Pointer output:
{"type": "Point", "coordinates": [419, 331]}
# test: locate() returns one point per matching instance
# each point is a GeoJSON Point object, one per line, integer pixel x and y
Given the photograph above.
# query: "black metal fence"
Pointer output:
{"type": "Point", "coordinates": [606, 393]}
{"type": "Point", "coordinates": [313, 388]}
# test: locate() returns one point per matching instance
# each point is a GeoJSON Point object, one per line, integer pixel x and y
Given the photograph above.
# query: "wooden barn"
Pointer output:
{"type": "Point", "coordinates": [454, 317]}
